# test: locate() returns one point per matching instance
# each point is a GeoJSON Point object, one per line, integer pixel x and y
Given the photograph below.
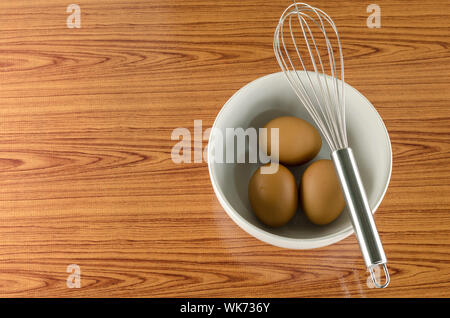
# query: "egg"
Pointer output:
{"type": "Point", "coordinates": [321, 196]}
{"type": "Point", "coordinates": [273, 197]}
{"type": "Point", "coordinates": [298, 141]}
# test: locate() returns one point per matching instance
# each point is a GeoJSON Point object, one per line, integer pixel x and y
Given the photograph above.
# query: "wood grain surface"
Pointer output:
{"type": "Point", "coordinates": [86, 175]}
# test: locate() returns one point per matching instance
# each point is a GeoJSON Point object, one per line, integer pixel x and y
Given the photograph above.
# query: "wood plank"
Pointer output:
{"type": "Point", "coordinates": [86, 175]}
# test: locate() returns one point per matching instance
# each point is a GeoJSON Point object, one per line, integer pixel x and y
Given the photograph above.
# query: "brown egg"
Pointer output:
{"type": "Point", "coordinates": [320, 193]}
{"type": "Point", "coordinates": [273, 197]}
{"type": "Point", "coordinates": [298, 143]}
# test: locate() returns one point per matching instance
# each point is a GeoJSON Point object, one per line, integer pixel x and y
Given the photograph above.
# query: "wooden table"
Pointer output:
{"type": "Point", "coordinates": [86, 175]}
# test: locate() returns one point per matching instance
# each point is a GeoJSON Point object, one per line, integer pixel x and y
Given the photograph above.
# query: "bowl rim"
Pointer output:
{"type": "Point", "coordinates": [275, 239]}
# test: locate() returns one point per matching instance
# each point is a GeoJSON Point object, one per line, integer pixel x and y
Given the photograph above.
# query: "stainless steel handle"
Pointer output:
{"type": "Point", "coordinates": [360, 213]}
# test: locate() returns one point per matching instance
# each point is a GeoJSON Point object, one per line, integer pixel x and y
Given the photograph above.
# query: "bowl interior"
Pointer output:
{"type": "Point", "coordinates": [269, 97]}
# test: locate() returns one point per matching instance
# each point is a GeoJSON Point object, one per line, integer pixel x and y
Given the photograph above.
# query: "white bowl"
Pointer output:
{"type": "Point", "coordinates": [271, 96]}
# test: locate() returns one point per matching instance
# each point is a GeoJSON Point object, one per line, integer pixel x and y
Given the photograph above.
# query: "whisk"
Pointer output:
{"type": "Point", "coordinates": [323, 94]}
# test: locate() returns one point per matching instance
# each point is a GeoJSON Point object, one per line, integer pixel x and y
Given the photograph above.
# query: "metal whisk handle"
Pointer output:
{"type": "Point", "coordinates": [360, 213]}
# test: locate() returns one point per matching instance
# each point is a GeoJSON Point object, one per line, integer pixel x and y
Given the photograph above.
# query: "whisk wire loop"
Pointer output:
{"type": "Point", "coordinates": [320, 92]}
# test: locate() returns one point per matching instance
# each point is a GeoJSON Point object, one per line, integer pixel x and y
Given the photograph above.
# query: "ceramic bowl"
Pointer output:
{"type": "Point", "coordinates": [271, 96]}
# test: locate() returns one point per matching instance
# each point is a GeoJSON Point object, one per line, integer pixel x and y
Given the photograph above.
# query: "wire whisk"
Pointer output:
{"type": "Point", "coordinates": [315, 71]}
